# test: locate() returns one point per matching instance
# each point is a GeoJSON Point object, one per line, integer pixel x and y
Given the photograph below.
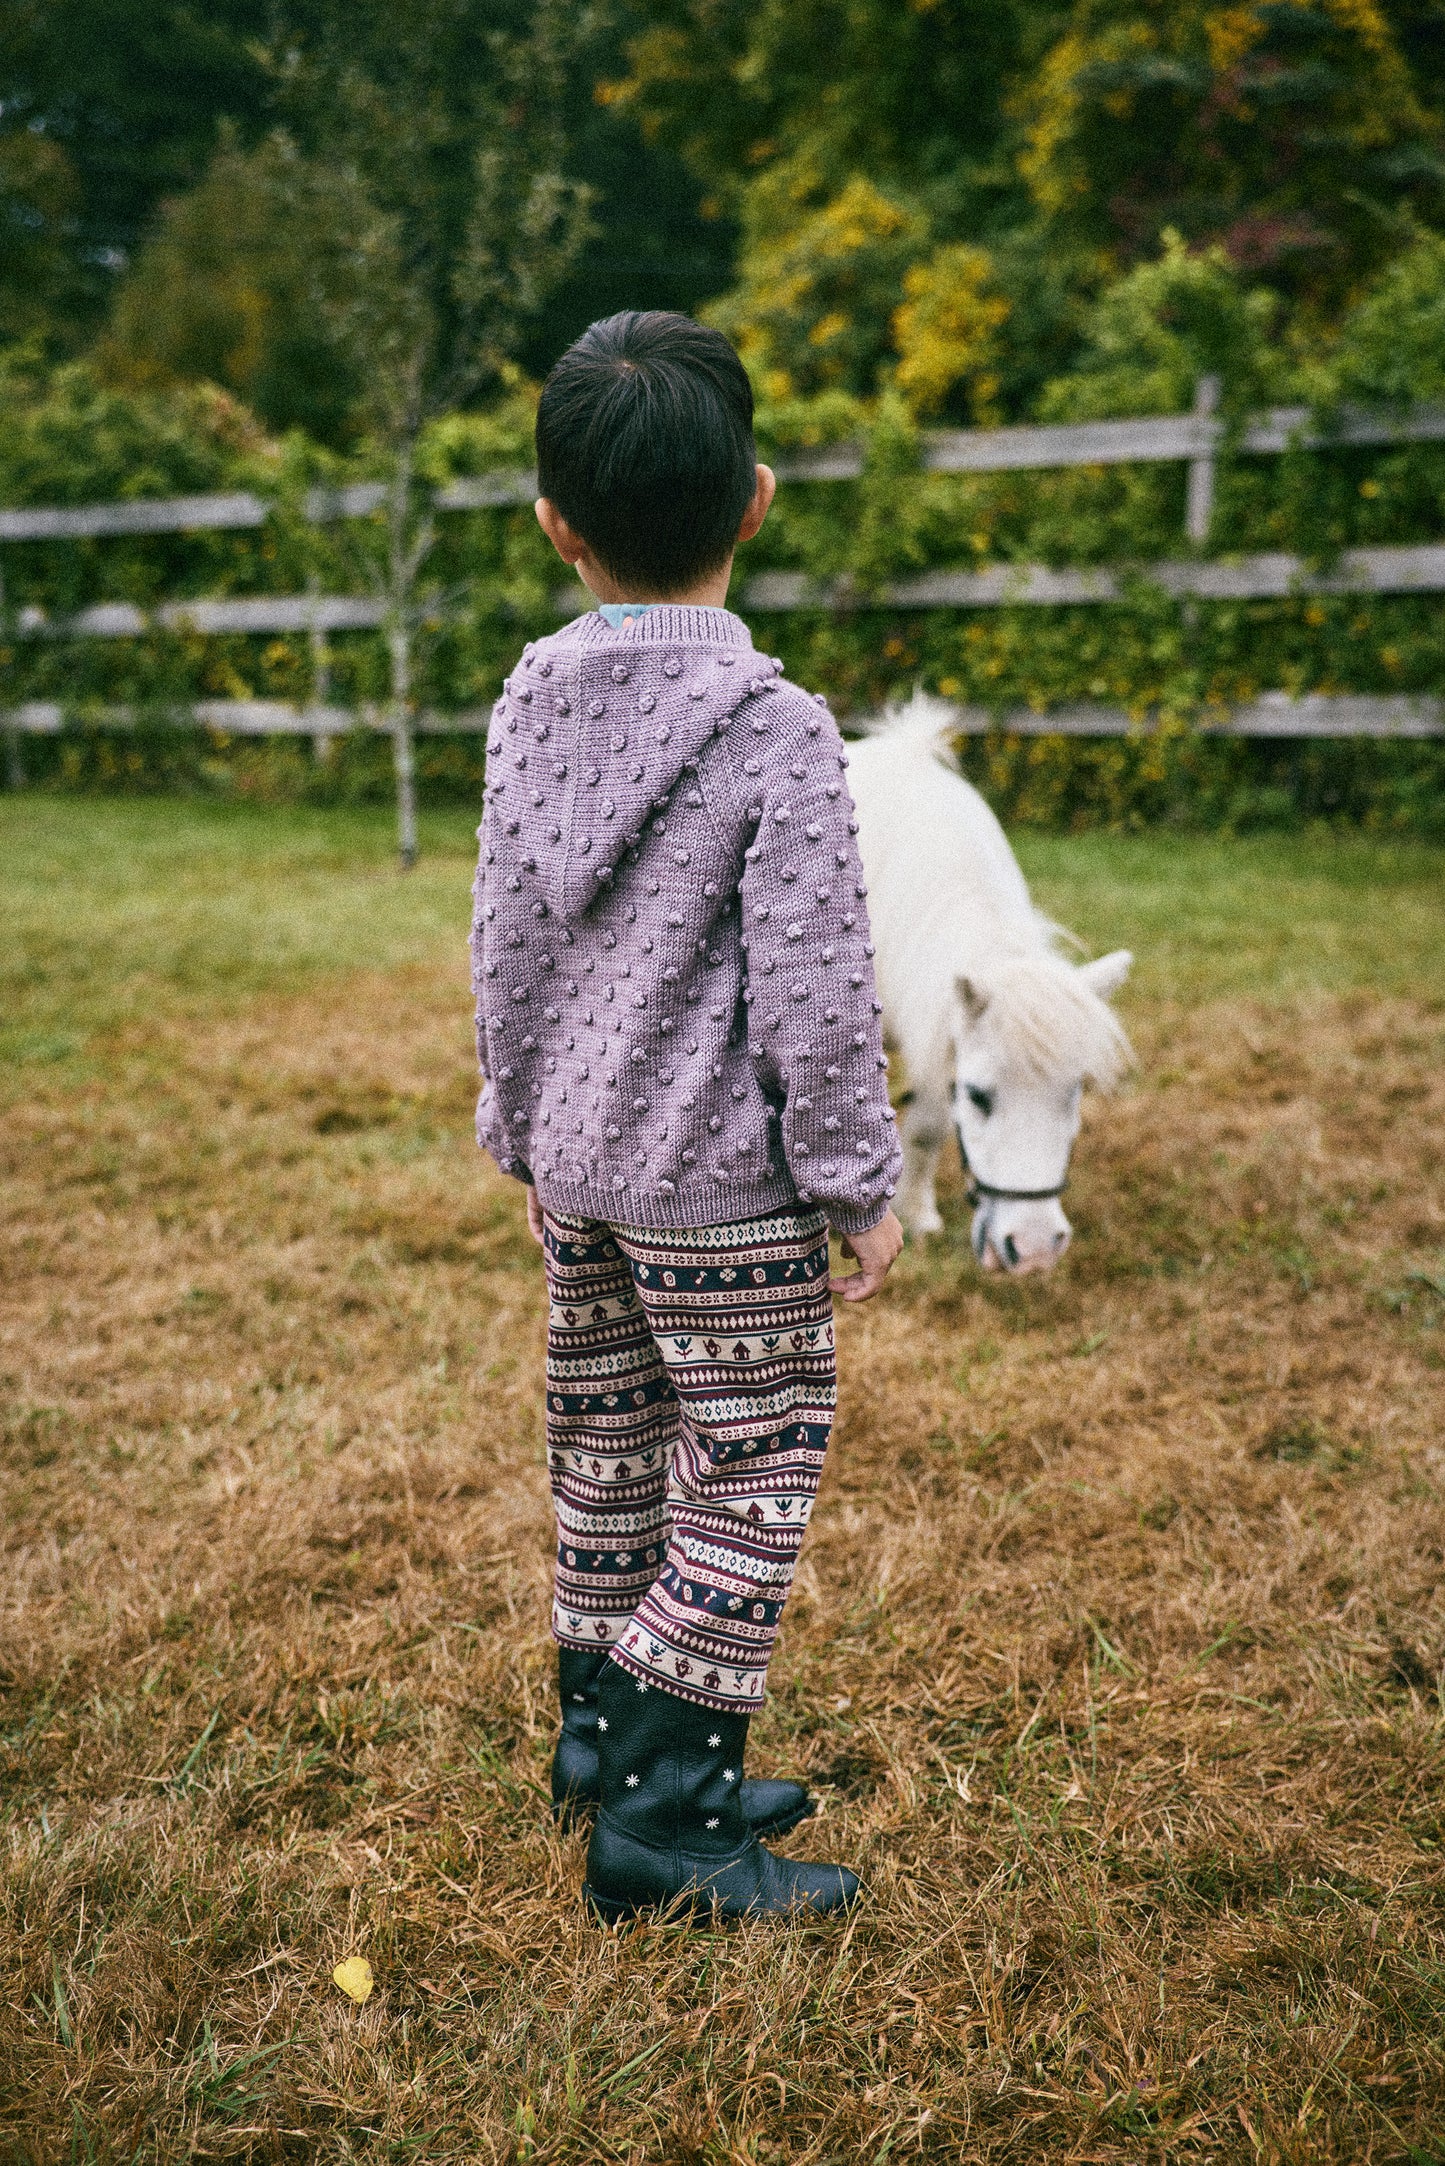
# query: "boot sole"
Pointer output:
{"type": "Point", "coordinates": [614, 1910]}
{"type": "Point", "coordinates": [610, 1910]}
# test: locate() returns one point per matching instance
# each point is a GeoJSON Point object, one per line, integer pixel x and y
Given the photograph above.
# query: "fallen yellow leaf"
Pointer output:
{"type": "Point", "coordinates": [354, 1977]}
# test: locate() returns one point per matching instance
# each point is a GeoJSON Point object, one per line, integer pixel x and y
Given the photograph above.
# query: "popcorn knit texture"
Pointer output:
{"type": "Point", "coordinates": [676, 1010]}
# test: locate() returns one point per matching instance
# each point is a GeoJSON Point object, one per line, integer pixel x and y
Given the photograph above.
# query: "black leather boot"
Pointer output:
{"type": "Point", "coordinates": [672, 1831]}
{"type": "Point", "coordinates": [574, 1763]}
{"type": "Point", "coordinates": [771, 1807]}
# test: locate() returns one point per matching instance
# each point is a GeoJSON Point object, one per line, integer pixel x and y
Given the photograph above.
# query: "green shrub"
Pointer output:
{"type": "Point", "coordinates": [69, 437]}
{"type": "Point", "coordinates": [162, 754]}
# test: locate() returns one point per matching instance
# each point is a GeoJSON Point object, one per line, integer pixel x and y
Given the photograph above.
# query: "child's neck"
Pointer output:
{"type": "Point", "coordinates": [709, 593]}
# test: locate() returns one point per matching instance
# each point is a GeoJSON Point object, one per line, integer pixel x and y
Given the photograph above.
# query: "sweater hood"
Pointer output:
{"type": "Point", "coordinates": [595, 729]}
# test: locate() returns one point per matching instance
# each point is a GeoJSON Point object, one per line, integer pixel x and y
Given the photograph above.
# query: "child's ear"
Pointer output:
{"type": "Point", "coordinates": [568, 545]}
{"type": "Point", "coordinates": [760, 506]}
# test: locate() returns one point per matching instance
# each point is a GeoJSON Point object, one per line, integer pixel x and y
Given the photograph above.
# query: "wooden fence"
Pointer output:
{"type": "Point", "coordinates": [1195, 439]}
{"type": "Point", "coordinates": [1273, 714]}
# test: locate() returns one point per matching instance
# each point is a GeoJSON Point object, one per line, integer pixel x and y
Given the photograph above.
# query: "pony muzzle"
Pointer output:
{"type": "Point", "coordinates": [1019, 1237]}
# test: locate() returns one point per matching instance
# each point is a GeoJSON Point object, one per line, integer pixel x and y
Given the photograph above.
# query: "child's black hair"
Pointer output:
{"type": "Point", "coordinates": [645, 446]}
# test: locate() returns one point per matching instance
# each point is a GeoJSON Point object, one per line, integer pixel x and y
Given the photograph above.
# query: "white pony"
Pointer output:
{"type": "Point", "coordinates": [996, 1029]}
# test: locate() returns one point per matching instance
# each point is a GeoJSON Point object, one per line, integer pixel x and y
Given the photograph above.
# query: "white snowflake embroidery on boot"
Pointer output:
{"type": "Point", "coordinates": [632, 1781]}
{"type": "Point", "coordinates": [714, 1740]}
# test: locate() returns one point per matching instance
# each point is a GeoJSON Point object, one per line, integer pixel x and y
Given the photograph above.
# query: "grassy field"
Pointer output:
{"type": "Point", "coordinates": [1116, 1651]}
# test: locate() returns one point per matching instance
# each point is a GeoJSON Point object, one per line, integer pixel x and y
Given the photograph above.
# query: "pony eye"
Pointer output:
{"type": "Point", "coordinates": [981, 1098]}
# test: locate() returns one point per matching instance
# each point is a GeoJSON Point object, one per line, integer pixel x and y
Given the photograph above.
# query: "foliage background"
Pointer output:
{"type": "Point", "coordinates": [904, 216]}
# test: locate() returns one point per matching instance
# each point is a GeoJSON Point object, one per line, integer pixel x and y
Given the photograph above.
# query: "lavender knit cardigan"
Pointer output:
{"type": "Point", "coordinates": [676, 1011]}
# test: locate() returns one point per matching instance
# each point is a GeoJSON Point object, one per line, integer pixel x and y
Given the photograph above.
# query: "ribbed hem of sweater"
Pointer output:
{"type": "Point", "coordinates": [666, 624]}
{"type": "Point", "coordinates": [697, 1203]}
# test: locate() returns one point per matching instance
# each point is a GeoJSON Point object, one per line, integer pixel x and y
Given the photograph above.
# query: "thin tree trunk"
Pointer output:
{"type": "Point", "coordinates": [404, 555]}
{"type": "Point", "coordinates": [403, 744]}
{"type": "Point", "coordinates": [321, 739]}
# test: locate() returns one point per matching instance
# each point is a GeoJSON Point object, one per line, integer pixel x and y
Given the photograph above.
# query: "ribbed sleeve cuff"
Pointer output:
{"type": "Point", "coordinates": [862, 1218]}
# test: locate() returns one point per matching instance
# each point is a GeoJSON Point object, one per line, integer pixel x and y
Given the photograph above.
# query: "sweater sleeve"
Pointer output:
{"type": "Point", "coordinates": [814, 1027]}
{"type": "Point", "coordinates": [491, 1131]}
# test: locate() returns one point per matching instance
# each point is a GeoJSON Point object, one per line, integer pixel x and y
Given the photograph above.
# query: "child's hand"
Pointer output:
{"type": "Point", "coordinates": [534, 1215]}
{"type": "Point", "coordinates": [875, 1252]}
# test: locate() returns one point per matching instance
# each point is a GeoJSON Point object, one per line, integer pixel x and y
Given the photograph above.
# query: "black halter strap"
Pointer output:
{"type": "Point", "coordinates": [978, 1189]}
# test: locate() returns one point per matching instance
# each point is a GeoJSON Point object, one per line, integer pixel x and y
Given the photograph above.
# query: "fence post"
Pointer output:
{"type": "Point", "coordinates": [320, 677]}
{"type": "Point", "coordinates": [1199, 501]}
{"type": "Point", "coordinates": [14, 760]}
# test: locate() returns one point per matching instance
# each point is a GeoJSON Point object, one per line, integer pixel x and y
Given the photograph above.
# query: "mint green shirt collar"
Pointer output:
{"type": "Point", "coordinates": [617, 613]}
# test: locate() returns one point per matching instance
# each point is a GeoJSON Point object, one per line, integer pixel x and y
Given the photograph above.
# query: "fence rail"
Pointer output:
{"type": "Point", "coordinates": [1153, 439]}
{"type": "Point", "coordinates": [1195, 439]}
{"type": "Point", "coordinates": [1416, 569]}
{"type": "Point", "coordinates": [1150, 440]}
{"type": "Point", "coordinates": [246, 613]}
{"type": "Point", "coordinates": [1273, 714]}
{"type": "Point", "coordinates": [195, 514]}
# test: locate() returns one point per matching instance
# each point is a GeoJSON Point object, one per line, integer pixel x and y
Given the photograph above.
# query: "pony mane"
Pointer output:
{"type": "Point", "coordinates": [920, 722]}
{"type": "Point", "coordinates": [1051, 1021]}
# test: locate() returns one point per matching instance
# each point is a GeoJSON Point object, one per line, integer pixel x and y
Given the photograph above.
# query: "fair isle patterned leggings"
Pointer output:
{"type": "Point", "coordinates": [691, 1383]}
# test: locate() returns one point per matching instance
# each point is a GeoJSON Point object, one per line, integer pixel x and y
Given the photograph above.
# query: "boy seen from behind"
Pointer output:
{"type": "Point", "coordinates": [679, 1030]}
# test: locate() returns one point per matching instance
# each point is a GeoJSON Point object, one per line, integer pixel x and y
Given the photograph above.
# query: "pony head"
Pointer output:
{"type": "Point", "coordinates": [1027, 1038]}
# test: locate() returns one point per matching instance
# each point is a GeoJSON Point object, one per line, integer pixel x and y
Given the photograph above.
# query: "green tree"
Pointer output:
{"type": "Point", "coordinates": [848, 295]}
{"type": "Point", "coordinates": [863, 149]}
{"type": "Point", "coordinates": [111, 110]}
{"type": "Point", "coordinates": [867, 151]}
{"type": "Point", "coordinates": [812, 307]}
{"type": "Point", "coordinates": [1303, 137]}
{"type": "Point", "coordinates": [1419, 32]}
{"type": "Point", "coordinates": [1289, 132]}
{"type": "Point", "coordinates": [107, 107]}
{"type": "Point", "coordinates": [224, 292]}
{"type": "Point", "coordinates": [1392, 346]}
{"type": "Point", "coordinates": [38, 197]}
{"type": "Point", "coordinates": [1155, 332]}
{"type": "Point", "coordinates": [911, 95]}
{"type": "Point", "coordinates": [660, 238]}
{"type": "Point", "coordinates": [452, 216]}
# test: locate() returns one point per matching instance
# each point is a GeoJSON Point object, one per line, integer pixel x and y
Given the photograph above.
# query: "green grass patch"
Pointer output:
{"type": "Point", "coordinates": [116, 904]}
{"type": "Point", "coordinates": [113, 906]}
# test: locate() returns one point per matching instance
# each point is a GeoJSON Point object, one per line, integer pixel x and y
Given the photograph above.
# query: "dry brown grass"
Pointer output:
{"type": "Point", "coordinates": [1116, 1650]}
